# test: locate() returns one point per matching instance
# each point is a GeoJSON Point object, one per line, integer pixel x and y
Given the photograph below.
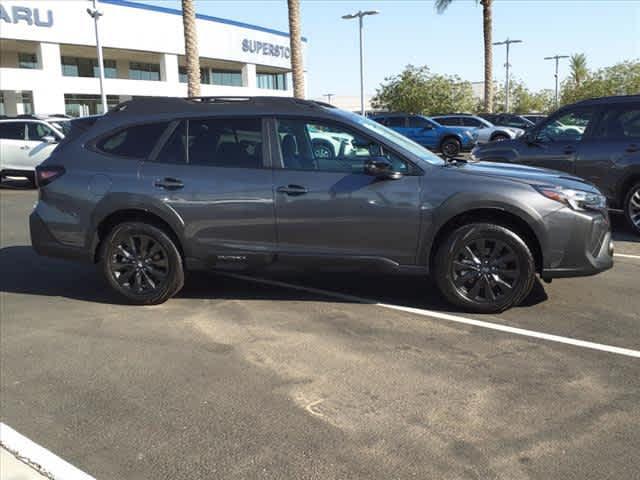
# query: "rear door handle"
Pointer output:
{"type": "Point", "coordinates": [292, 190]}
{"type": "Point", "coordinates": [169, 183]}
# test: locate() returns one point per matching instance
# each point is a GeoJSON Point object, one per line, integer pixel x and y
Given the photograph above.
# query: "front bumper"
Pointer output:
{"type": "Point", "coordinates": [579, 245]}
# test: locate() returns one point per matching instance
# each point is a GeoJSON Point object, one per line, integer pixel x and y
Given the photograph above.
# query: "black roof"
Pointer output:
{"type": "Point", "coordinates": [611, 99]}
{"type": "Point", "coordinates": [156, 105]}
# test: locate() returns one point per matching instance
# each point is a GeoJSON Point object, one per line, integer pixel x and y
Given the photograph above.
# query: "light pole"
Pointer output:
{"type": "Point", "coordinates": [360, 15]}
{"type": "Point", "coordinates": [557, 59]}
{"type": "Point", "coordinates": [508, 43]}
{"type": "Point", "coordinates": [96, 14]}
{"type": "Point", "coordinates": [329, 95]}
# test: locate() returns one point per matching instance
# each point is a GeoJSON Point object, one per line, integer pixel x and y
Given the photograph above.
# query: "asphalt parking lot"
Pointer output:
{"type": "Point", "coordinates": [235, 379]}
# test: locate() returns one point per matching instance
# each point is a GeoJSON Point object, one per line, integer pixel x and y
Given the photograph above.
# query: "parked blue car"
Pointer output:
{"type": "Point", "coordinates": [450, 141]}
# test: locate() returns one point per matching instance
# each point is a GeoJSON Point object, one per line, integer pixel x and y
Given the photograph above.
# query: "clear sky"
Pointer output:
{"type": "Point", "coordinates": [607, 31]}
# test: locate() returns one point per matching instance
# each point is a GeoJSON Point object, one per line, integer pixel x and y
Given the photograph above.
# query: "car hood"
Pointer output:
{"type": "Point", "coordinates": [524, 174]}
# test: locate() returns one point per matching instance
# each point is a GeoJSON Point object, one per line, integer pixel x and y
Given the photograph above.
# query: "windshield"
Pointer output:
{"type": "Point", "coordinates": [63, 126]}
{"type": "Point", "coordinates": [396, 138]}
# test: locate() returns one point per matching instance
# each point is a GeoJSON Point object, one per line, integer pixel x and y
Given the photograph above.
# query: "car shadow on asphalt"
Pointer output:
{"type": "Point", "coordinates": [25, 272]}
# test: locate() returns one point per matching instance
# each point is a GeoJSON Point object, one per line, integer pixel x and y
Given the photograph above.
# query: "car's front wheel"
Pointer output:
{"type": "Point", "coordinates": [632, 208]}
{"type": "Point", "coordinates": [484, 268]}
{"type": "Point", "coordinates": [450, 147]}
{"type": "Point", "coordinates": [499, 137]}
{"type": "Point", "coordinates": [142, 263]}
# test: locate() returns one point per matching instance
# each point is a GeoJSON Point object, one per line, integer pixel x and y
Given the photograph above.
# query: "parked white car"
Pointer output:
{"type": "Point", "coordinates": [484, 131]}
{"type": "Point", "coordinates": [26, 141]}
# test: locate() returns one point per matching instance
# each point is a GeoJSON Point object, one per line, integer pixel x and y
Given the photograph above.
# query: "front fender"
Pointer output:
{"type": "Point", "coordinates": [467, 202]}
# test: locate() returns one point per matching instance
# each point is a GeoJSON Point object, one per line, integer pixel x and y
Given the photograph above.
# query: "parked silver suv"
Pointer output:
{"type": "Point", "coordinates": [160, 185]}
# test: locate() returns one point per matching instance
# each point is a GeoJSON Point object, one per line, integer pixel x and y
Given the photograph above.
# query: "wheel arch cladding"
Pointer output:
{"type": "Point", "coordinates": [495, 216]}
{"type": "Point", "coordinates": [132, 215]}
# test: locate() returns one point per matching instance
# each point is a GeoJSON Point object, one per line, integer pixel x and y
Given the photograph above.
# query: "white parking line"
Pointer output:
{"type": "Point", "coordinates": [446, 316]}
{"type": "Point", "coordinates": [39, 457]}
{"type": "Point", "coordinates": [624, 255]}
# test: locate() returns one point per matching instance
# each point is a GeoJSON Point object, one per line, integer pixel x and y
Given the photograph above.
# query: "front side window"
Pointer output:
{"type": "Point", "coordinates": [12, 130]}
{"type": "Point", "coordinates": [568, 126]}
{"type": "Point", "coordinates": [219, 142]}
{"type": "Point", "coordinates": [472, 122]}
{"type": "Point", "coordinates": [319, 146]}
{"type": "Point", "coordinates": [397, 122]}
{"type": "Point", "coordinates": [419, 122]}
{"type": "Point", "coordinates": [37, 131]}
{"type": "Point", "coordinates": [133, 142]}
{"type": "Point", "coordinates": [449, 121]}
{"type": "Point", "coordinates": [620, 123]}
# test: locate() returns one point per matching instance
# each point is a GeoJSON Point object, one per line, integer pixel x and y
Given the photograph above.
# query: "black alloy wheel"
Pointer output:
{"type": "Point", "coordinates": [142, 263]}
{"type": "Point", "coordinates": [484, 268]}
{"type": "Point", "coordinates": [632, 208]}
{"type": "Point", "coordinates": [450, 147]}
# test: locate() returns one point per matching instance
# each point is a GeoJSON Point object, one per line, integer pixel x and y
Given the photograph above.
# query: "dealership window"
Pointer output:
{"type": "Point", "coordinates": [227, 77]}
{"type": "Point", "coordinates": [144, 71]}
{"type": "Point", "coordinates": [25, 103]}
{"type": "Point", "coordinates": [272, 81]}
{"type": "Point", "coordinates": [133, 142]}
{"type": "Point", "coordinates": [87, 67]}
{"type": "Point", "coordinates": [2, 107]}
{"type": "Point", "coordinates": [27, 60]}
{"type": "Point", "coordinates": [78, 105]}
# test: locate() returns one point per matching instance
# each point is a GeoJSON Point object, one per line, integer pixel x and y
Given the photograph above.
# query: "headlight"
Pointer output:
{"type": "Point", "coordinates": [578, 200]}
{"type": "Point", "coordinates": [474, 135]}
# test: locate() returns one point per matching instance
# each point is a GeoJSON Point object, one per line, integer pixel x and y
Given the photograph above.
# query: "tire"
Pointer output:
{"type": "Point", "coordinates": [632, 208]}
{"type": "Point", "coordinates": [142, 263]}
{"type": "Point", "coordinates": [466, 281]}
{"type": "Point", "coordinates": [450, 147]}
{"type": "Point", "coordinates": [499, 137]}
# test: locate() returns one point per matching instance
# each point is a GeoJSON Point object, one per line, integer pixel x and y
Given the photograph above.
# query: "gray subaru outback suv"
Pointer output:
{"type": "Point", "coordinates": [162, 185]}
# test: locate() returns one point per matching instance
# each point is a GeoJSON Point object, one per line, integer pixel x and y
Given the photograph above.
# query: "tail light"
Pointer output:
{"type": "Point", "coordinates": [47, 174]}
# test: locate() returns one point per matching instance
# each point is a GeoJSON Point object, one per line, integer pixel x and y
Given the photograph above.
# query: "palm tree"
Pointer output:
{"type": "Point", "coordinates": [441, 6]}
{"type": "Point", "coordinates": [191, 47]}
{"type": "Point", "coordinates": [296, 48]}
{"type": "Point", "coordinates": [578, 68]}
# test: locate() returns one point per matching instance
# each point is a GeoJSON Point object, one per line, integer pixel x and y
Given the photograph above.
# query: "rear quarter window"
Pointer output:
{"type": "Point", "coordinates": [133, 142]}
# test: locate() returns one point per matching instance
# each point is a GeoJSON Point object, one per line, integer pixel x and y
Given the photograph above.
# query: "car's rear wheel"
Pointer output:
{"type": "Point", "coordinates": [632, 208]}
{"type": "Point", "coordinates": [142, 263]}
{"type": "Point", "coordinates": [484, 268]}
{"type": "Point", "coordinates": [450, 147]}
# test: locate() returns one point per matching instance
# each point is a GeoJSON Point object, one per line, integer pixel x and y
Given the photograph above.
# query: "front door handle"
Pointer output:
{"type": "Point", "coordinates": [169, 183]}
{"type": "Point", "coordinates": [24, 147]}
{"type": "Point", "coordinates": [633, 148]}
{"type": "Point", "coordinates": [292, 190]}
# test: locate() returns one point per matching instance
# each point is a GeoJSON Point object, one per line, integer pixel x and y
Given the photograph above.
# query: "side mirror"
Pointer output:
{"type": "Point", "coordinates": [49, 139]}
{"type": "Point", "coordinates": [382, 168]}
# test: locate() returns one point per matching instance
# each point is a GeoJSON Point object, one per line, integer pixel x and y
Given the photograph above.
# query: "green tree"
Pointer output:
{"type": "Point", "coordinates": [578, 68]}
{"type": "Point", "coordinates": [487, 26]}
{"type": "Point", "coordinates": [524, 100]}
{"type": "Point", "coordinates": [619, 79]}
{"type": "Point", "coordinates": [417, 90]}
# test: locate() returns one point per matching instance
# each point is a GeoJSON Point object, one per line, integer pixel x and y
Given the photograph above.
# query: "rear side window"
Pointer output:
{"type": "Point", "coordinates": [621, 123]}
{"type": "Point", "coordinates": [175, 150]}
{"type": "Point", "coordinates": [134, 142]}
{"type": "Point", "coordinates": [12, 130]}
{"type": "Point", "coordinates": [448, 121]}
{"type": "Point", "coordinates": [218, 142]}
{"type": "Point", "coordinates": [418, 122]}
{"type": "Point", "coordinates": [471, 122]}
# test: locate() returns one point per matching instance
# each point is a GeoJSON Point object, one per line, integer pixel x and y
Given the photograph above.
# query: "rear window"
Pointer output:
{"type": "Point", "coordinates": [12, 130]}
{"type": "Point", "coordinates": [133, 142]}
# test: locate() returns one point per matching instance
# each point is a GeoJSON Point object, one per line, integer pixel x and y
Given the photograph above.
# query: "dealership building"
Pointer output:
{"type": "Point", "coordinates": [48, 57]}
